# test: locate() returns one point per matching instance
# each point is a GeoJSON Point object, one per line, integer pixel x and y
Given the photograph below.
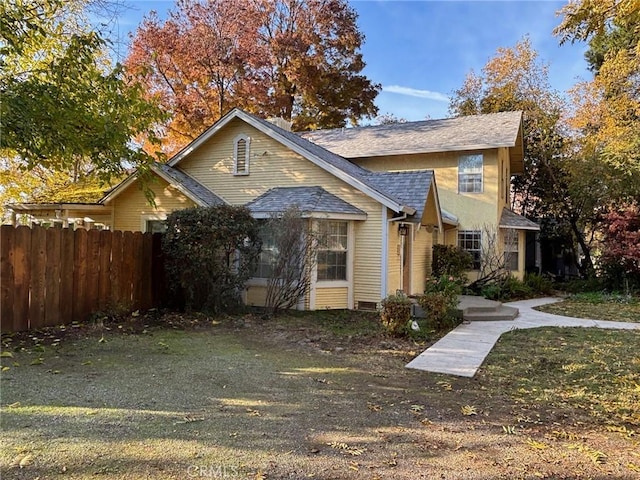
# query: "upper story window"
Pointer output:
{"type": "Point", "coordinates": [241, 149]}
{"type": "Point", "coordinates": [470, 173]}
{"type": "Point", "coordinates": [332, 250]}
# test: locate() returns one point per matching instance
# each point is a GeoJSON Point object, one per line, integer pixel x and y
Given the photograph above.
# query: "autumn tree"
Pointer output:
{"type": "Point", "coordinates": [295, 59]}
{"type": "Point", "coordinates": [608, 111]}
{"type": "Point", "coordinates": [64, 107]}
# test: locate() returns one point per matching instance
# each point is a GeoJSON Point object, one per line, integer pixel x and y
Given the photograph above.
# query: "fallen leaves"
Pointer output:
{"type": "Point", "coordinates": [468, 410]}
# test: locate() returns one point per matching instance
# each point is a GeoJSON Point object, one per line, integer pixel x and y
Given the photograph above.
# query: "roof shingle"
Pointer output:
{"type": "Point", "coordinates": [472, 132]}
{"type": "Point", "coordinates": [308, 199]}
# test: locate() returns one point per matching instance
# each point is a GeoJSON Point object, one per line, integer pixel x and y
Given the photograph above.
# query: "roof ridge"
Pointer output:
{"type": "Point", "coordinates": [401, 124]}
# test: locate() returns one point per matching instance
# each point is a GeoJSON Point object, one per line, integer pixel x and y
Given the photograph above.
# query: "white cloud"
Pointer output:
{"type": "Point", "coordinates": [414, 92]}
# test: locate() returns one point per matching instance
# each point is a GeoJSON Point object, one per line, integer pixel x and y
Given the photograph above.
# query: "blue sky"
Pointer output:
{"type": "Point", "coordinates": [421, 50]}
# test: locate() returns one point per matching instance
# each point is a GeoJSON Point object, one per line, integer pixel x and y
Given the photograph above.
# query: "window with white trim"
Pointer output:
{"type": "Point", "coordinates": [156, 226]}
{"type": "Point", "coordinates": [268, 253]}
{"type": "Point", "coordinates": [241, 150]}
{"type": "Point", "coordinates": [471, 241]}
{"type": "Point", "coordinates": [511, 250]}
{"type": "Point", "coordinates": [332, 250]}
{"type": "Point", "coordinates": [470, 173]}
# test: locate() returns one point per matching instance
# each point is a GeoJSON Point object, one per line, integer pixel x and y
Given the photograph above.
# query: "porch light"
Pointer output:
{"type": "Point", "coordinates": [403, 230]}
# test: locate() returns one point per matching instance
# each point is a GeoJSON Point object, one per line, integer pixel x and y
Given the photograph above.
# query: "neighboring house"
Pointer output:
{"type": "Point", "coordinates": [372, 190]}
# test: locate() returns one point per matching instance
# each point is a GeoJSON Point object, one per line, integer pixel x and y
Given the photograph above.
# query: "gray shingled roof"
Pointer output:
{"type": "Point", "coordinates": [307, 199]}
{"type": "Point", "coordinates": [411, 188]}
{"type": "Point", "coordinates": [451, 134]}
{"type": "Point", "coordinates": [195, 188]}
{"type": "Point", "coordinates": [509, 219]}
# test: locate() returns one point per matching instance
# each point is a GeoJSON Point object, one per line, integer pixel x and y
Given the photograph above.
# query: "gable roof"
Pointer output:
{"type": "Point", "coordinates": [175, 177]}
{"type": "Point", "coordinates": [510, 219]}
{"type": "Point", "coordinates": [310, 201]}
{"type": "Point", "coordinates": [473, 132]}
{"type": "Point", "coordinates": [411, 187]}
{"type": "Point", "coordinates": [338, 166]}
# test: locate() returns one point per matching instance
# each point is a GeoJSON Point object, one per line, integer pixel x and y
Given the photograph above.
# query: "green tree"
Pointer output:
{"type": "Point", "coordinates": [210, 253]}
{"type": "Point", "coordinates": [63, 105]}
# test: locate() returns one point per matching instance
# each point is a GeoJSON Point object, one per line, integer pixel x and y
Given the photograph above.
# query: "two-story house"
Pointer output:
{"type": "Point", "coordinates": [383, 195]}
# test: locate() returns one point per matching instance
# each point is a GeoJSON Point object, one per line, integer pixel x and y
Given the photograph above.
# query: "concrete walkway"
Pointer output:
{"type": "Point", "coordinates": [462, 351]}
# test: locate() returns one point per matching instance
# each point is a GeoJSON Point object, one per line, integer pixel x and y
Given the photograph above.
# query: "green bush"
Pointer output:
{"type": "Point", "coordinates": [509, 288]}
{"type": "Point", "coordinates": [209, 255]}
{"type": "Point", "coordinates": [581, 285]}
{"type": "Point", "coordinates": [439, 309]}
{"type": "Point", "coordinates": [540, 284]}
{"type": "Point", "coordinates": [396, 313]}
{"type": "Point", "coordinates": [451, 261]}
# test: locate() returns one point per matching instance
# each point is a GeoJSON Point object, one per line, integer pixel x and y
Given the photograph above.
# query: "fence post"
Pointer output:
{"type": "Point", "coordinates": [21, 278]}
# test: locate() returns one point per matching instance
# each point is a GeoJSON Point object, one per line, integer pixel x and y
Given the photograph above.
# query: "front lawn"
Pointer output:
{"type": "Point", "coordinates": [311, 396]}
{"type": "Point", "coordinates": [597, 306]}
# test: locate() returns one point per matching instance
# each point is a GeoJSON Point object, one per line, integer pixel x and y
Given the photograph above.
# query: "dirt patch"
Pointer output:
{"type": "Point", "coordinates": [305, 396]}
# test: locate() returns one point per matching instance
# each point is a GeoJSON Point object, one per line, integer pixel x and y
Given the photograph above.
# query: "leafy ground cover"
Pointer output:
{"type": "Point", "coordinates": [597, 306]}
{"type": "Point", "coordinates": [313, 396]}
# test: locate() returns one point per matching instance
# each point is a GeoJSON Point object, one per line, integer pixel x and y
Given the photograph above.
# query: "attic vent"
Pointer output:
{"type": "Point", "coordinates": [367, 306]}
{"type": "Point", "coordinates": [280, 122]}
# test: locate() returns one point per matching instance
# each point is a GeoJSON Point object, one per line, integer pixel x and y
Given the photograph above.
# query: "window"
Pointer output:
{"type": "Point", "coordinates": [241, 155]}
{"type": "Point", "coordinates": [511, 250]}
{"type": "Point", "coordinates": [155, 226]}
{"type": "Point", "coordinates": [268, 254]}
{"type": "Point", "coordinates": [332, 250]}
{"type": "Point", "coordinates": [471, 241]}
{"type": "Point", "coordinates": [470, 174]}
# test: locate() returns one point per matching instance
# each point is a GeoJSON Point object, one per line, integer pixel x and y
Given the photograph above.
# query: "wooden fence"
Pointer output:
{"type": "Point", "coordinates": [53, 276]}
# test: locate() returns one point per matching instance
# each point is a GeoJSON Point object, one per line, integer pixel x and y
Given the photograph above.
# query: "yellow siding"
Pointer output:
{"type": "Point", "coordinates": [504, 198]}
{"type": "Point", "coordinates": [131, 204]}
{"type": "Point", "coordinates": [472, 209]}
{"type": "Point", "coordinates": [274, 165]}
{"type": "Point", "coordinates": [332, 298]}
{"type": "Point", "coordinates": [421, 260]}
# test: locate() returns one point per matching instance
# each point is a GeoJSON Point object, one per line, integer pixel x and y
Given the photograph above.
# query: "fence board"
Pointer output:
{"type": "Point", "coordinates": [80, 276]}
{"type": "Point", "coordinates": [116, 269]}
{"type": "Point", "coordinates": [104, 279]}
{"type": "Point", "coordinates": [52, 277]}
{"type": "Point", "coordinates": [21, 278]}
{"type": "Point", "coordinates": [93, 270]}
{"type": "Point", "coordinates": [38, 267]}
{"type": "Point", "coordinates": [67, 248]}
{"type": "Point", "coordinates": [136, 280]}
{"type": "Point", "coordinates": [7, 238]}
{"type": "Point", "coordinates": [127, 270]}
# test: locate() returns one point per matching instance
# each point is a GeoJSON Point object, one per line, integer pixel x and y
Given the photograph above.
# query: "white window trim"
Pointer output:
{"type": "Point", "coordinates": [481, 174]}
{"type": "Point", "coordinates": [473, 232]}
{"type": "Point", "coordinates": [247, 155]}
{"type": "Point", "coordinates": [146, 217]}
{"type": "Point", "coordinates": [348, 283]}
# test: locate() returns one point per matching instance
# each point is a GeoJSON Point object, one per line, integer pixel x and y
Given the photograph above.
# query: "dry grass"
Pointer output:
{"type": "Point", "coordinates": [597, 306]}
{"type": "Point", "coordinates": [314, 397]}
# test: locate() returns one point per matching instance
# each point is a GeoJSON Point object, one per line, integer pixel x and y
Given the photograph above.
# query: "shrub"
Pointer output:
{"type": "Point", "coordinates": [396, 313]}
{"type": "Point", "coordinates": [508, 288]}
{"type": "Point", "coordinates": [209, 255]}
{"type": "Point", "coordinates": [620, 262]}
{"type": "Point", "coordinates": [540, 284]}
{"type": "Point", "coordinates": [451, 261]}
{"type": "Point", "coordinates": [439, 308]}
